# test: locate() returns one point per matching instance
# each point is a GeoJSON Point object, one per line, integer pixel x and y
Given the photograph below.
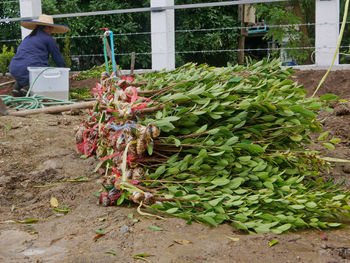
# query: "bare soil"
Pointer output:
{"type": "Point", "coordinates": [38, 158]}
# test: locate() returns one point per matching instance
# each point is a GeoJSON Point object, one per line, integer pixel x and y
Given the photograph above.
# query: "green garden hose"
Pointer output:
{"type": "Point", "coordinates": [32, 102]}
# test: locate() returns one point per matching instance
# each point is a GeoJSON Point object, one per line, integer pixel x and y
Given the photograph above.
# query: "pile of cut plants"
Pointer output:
{"type": "Point", "coordinates": [215, 145]}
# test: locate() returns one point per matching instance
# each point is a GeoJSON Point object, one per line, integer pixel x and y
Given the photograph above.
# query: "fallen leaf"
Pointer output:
{"type": "Point", "coordinates": [27, 221]}
{"type": "Point", "coordinates": [79, 179]}
{"type": "Point", "coordinates": [182, 242]}
{"type": "Point", "coordinates": [155, 228]}
{"type": "Point", "coordinates": [142, 257]}
{"type": "Point", "coordinates": [233, 239]}
{"type": "Point", "coordinates": [112, 252]}
{"type": "Point", "coordinates": [61, 210]}
{"type": "Point", "coordinates": [100, 231]}
{"type": "Point", "coordinates": [273, 242]}
{"type": "Point", "coordinates": [54, 202]}
{"type": "Point", "coordinates": [98, 236]}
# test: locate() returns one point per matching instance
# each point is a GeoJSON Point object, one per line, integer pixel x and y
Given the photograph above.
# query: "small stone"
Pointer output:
{"type": "Point", "coordinates": [346, 168]}
{"type": "Point", "coordinates": [125, 229]}
{"type": "Point", "coordinates": [342, 109]}
{"type": "Point", "coordinates": [51, 164]}
{"type": "Point", "coordinates": [324, 246]}
{"type": "Point", "coordinates": [53, 123]}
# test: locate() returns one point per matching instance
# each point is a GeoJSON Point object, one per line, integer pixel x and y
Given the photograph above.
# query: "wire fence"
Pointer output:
{"type": "Point", "coordinates": [267, 49]}
{"type": "Point", "coordinates": [192, 30]}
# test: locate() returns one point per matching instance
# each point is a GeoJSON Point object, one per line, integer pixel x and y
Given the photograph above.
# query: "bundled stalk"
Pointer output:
{"type": "Point", "coordinates": [215, 145]}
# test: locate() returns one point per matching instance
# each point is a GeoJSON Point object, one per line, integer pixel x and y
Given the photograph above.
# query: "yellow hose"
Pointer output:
{"type": "Point", "coordinates": [337, 49]}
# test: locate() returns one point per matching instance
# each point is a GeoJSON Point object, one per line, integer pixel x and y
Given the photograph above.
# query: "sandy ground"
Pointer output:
{"type": "Point", "coordinates": [38, 161]}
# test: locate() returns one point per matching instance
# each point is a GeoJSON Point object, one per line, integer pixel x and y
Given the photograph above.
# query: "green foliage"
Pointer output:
{"type": "Point", "coordinates": [5, 59]}
{"type": "Point", "coordinates": [289, 36]}
{"type": "Point", "coordinates": [133, 23]}
{"type": "Point", "coordinates": [66, 52]}
{"type": "Point", "coordinates": [234, 147]}
{"type": "Point", "coordinates": [80, 93]}
{"type": "Point", "coordinates": [203, 18]}
{"type": "Point", "coordinates": [242, 153]}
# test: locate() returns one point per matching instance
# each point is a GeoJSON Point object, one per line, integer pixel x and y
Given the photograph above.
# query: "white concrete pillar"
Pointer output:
{"type": "Point", "coordinates": [326, 32]}
{"type": "Point", "coordinates": [163, 36]}
{"type": "Point", "coordinates": [29, 8]}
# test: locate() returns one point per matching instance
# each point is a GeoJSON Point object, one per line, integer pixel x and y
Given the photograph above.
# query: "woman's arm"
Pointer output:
{"type": "Point", "coordinates": [55, 53]}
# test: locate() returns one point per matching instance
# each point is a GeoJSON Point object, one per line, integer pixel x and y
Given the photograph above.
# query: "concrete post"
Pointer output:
{"type": "Point", "coordinates": [29, 8]}
{"type": "Point", "coordinates": [163, 36]}
{"type": "Point", "coordinates": [326, 32]}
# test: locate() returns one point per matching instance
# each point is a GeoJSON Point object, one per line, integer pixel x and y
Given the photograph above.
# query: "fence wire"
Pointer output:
{"type": "Point", "coordinates": [193, 30]}
{"type": "Point", "coordinates": [218, 51]}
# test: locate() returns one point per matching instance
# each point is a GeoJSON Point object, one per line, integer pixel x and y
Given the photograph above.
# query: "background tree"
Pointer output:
{"type": "Point", "coordinates": [291, 12]}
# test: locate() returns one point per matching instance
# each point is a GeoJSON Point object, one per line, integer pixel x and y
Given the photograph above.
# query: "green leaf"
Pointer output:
{"type": "Point", "coordinates": [112, 252]}
{"type": "Point", "coordinates": [311, 204]}
{"type": "Point", "coordinates": [217, 154]}
{"type": "Point", "coordinates": [201, 129]}
{"type": "Point", "coordinates": [155, 228]}
{"type": "Point", "coordinates": [27, 221]}
{"type": "Point", "coordinates": [172, 210]}
{"type": "Point", "coordinates": [328, 145]}
{"type": "Point", "coordinates": [61, 210]}
{"type": "Point", "coordinates": [273, 242]}
{"type": "Point", "coordinates": [334, 224]}
{"type": "Point", "coordinates": [121, 199]}
{"type": "Point", "coordinates": [159, 115]}
{"type": "Point", "coordinates": [215, 202]}
{"type": "Point", "coordinates": [296, 137]}
{"type": "Point", "coordinates": [244, 104]}
{"type": "Point", "coordinates": [297, 207]}
{"type": "Point", "coordinates": [235, 79]}
{"type": "Point", "coordinates": [329, 97]}
{"type": "Point", "coordinates": [140, 256]}
{"type": "Point", "coordinates": [220, 181]}
{"type": "Point", "coordinates": [177, 142]}
{"type": "Point", "coordinates": [213, 131]}
{"type": "Point", "coordinates": [236, 182]}
{"type": "Point", "coordinates": [269, 185]}
{"type": "Point", "coordinates": [323, 136]}
{"type": "Point", "coordinates": [284, 227]}
{"type": "Point", "coordinates": [335, 140]}
{"type": "Point", "coordinates": [160, 170]}
{"type": "Point", "coordinates": [100, 231]}
{"type": "Point", "coordinates": [338, 197]}
{"type": "Point", "coordinates": [150, 148]}
{"type": "Point", "coordinates": [208, 219]}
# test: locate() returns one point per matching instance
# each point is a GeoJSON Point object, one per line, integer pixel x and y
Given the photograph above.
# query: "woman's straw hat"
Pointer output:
{"type": "Point", "coordinates": [45, 20]}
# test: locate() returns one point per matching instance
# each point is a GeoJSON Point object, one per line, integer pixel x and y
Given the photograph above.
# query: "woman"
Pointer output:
{"type": "Point", "coordinates": [34, 51]}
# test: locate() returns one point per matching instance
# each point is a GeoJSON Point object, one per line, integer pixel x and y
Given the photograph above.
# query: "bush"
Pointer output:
{"type": "Point", "coordinates": [5, 59]}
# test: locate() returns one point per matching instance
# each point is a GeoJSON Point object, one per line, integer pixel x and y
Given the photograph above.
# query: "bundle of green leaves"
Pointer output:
{"type": "Point", "coordinates": [234, 147]}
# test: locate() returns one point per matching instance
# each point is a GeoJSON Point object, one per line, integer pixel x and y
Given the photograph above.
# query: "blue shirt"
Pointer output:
{"type": "Point", "coordinates": [34, 51]}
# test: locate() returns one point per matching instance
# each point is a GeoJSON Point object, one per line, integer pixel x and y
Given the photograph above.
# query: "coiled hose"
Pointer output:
{"type": "Point", "coordinates": [32, 102]}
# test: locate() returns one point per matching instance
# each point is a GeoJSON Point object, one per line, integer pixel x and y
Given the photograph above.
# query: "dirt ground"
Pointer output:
{"type": "Point", "coordinates": [38, 161]}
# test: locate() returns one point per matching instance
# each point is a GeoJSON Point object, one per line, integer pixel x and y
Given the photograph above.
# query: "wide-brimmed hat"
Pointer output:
{"type": "Point", "coordinates": [45, 20]}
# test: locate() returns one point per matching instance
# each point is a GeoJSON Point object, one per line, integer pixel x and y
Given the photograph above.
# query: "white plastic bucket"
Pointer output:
{"type": "Point", "coordinates": [49, 82]}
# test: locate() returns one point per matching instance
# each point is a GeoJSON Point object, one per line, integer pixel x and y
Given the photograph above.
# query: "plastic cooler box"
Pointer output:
{"type": "Point", "coordinates": [49, 82]}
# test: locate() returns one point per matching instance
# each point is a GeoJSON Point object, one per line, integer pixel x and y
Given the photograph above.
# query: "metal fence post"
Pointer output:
{"type": "Point", "coordinates": [326, 32]}
{"type": "Point", "coordinates": [29, 8]}
{"type": "Point", "coordinates": [163, 35]}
